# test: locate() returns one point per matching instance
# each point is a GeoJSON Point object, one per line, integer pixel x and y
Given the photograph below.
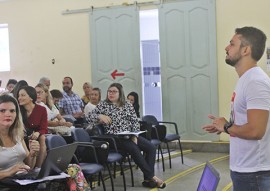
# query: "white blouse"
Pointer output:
{"type": "Point", "coordinates": [9, 156]}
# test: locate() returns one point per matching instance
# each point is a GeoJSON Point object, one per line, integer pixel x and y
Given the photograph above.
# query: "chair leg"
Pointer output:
{"type": "Point", "coordinates": [182, 158]}
{"type": "Point", "coordinates": [131, 171]}
{"type": "Point", "coordinates": [158, 154]}
{"type": "Point", "coordinates": [89, 180]}
{"type": "Point", "coordinates": [114, 170]}
{"type": "Point", "coordinates": [102, 180]}
{"type": "Point", "coordinates": [169, 155]}
{"type": "Point", "coordinates": [110, 175]}
{"type": "Point", "coordinates": [162, 158]}
{"type": "Point", "coordinates": [123, 174]}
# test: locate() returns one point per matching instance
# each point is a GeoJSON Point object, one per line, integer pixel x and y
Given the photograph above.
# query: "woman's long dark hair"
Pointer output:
{"type": "Point", "coordinates": [32, 94]}
{"type": "Point", "coordinates": [136, 104]}
{"type": "Point", "coordinates": [17, 88]}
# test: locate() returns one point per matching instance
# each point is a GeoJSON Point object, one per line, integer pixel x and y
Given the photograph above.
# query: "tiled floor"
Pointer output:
{"type": "Point", "coordinates": [182, 177]}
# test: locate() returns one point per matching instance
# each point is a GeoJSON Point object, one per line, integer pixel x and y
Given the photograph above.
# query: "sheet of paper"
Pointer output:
{"type": "Point", "coordinates": [55, 177]}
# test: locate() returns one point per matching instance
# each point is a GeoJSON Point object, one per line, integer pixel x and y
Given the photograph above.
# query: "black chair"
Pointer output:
{"type": "Point", "coordinates": [81, 135]}
{"type": "Point", "coordinates": [97, 133]}
{"type": "Point", "coordinates": [89, 167]}
{"type": "Point", "coordinates": [154, 136]}
{"type": "Point", "coordinates": [169, 137]}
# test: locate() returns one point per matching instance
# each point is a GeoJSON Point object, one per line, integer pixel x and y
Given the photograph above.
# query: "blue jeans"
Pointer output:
{"type": "Point", "coordinates": [256, 181]}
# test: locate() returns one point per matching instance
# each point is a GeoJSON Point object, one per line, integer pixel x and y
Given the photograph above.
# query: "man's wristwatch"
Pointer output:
{"type": "Point", "coordinates": [227, 126]}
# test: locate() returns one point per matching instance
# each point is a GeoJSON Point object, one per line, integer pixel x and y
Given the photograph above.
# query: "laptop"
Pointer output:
{"type": "Point", "coordinates": [56, 162]}
{"type": "Point", "coordinates": [209, 179]}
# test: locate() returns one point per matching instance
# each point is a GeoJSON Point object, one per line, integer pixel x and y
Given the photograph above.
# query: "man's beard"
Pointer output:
{"type": "Point", "coordinates": [232, 62]}
{"type": "Point", "coordinates": [66, 88]}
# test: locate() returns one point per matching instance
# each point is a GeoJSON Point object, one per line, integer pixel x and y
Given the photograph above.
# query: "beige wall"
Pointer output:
{"type": "Point", "coordinates": [39, 33]}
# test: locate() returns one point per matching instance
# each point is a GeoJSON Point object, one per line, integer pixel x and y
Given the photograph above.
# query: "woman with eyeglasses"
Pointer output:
{"type": "Point", "coordinates": [118, 115]}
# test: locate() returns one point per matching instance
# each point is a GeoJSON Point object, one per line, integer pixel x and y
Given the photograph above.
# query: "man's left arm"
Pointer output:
{"type": "Point", "coordinates": [255, 128]}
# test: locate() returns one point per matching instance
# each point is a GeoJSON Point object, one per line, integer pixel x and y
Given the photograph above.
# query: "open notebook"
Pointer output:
{"type": "Point", "coordinates": [209, 179]}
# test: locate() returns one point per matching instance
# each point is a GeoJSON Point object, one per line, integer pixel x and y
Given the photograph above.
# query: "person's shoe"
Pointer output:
{"type": "Point", "coordinates": [162, 185]}
{"type": "Point", "coordinates": [149, 183]}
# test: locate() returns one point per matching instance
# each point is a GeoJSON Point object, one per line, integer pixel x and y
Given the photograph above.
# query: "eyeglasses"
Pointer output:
{"type": "Point", "coordinates": [112, 91]}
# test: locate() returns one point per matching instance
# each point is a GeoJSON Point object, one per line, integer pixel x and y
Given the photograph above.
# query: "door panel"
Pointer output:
{"type": "Point", "coordinates": [188, 65]}
{"type": "Point", "coordinates": [115, 45]}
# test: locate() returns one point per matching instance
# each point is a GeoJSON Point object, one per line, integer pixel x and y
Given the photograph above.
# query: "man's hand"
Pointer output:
{"type": "Point", "coordinates": [217, 125]}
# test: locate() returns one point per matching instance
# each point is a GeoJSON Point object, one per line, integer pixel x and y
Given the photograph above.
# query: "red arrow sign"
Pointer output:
{"type": "Point", "coordinates": [114, 74]}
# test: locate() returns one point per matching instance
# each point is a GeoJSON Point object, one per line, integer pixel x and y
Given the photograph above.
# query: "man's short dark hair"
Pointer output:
{"type": "Point", "coordinates": [253, 37]}
{"type": "Point", "coordinates": [56, 94]}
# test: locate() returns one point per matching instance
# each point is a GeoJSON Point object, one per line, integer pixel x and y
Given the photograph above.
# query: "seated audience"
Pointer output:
{"type": "Point", "coordinates": [87, 89]}
{"type": "Point", "coordinates": [14, 154]}
{"type": "Point", "coordinates": [134, 100]}
{"type": "Point", "coordinates": [11, 84]}
{"type": "Point", "coordinates": [71, 104]}
{"type": "Point", "coordinates": [95, 99]}
{"type": "Point", "coordinates": [34, 119]}
{"type": "Point", "coordinates": [117, 115]}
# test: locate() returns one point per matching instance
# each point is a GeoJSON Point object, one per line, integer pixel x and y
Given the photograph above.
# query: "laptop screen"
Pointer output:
{"type": "Point", "coordinates": [209, 179]}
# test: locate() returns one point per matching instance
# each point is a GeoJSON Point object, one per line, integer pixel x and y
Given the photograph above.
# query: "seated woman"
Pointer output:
{"type": "Point", "coordinates": [87, 88]}
{"type": "Point", "coordinates": [14, 155]}
{"type": "Point", "coordinates": [34, 119]}
{"type": "Point", "coordinates": [134, 100]}
{"type": "Point", "coordinates": [44, 99]}
{"type": "Point", "coordinates": [95, 97]}
{"type": "Point", "coordinates": [118, 115]}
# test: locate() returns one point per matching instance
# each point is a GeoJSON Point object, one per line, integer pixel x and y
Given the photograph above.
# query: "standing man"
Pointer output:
{"type": "Point", "coordinates": [249, 122]}
{"type": "Point", "coordinates": [71, 104]}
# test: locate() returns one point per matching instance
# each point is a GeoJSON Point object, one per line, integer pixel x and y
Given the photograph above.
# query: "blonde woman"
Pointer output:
{"type": "Point", "coordinates": [44, 98]}
{"type": "Point", "coordinates": [87, 88]}
{"type": "Point", "coordinates": [14, 155]}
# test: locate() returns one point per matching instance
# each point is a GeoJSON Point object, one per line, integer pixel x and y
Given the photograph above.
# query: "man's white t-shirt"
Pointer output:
{"type": "Point", "coordinates": [252, 92]}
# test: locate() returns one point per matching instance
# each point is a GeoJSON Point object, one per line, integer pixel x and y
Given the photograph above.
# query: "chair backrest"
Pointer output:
{"type": "Point", "coordinates": [150, 119]}
{"type": "Point", "coordinates": [80, 135]}
{"type": "Point", "coordinates": [53, 141]}
{"type": "Point", "coordinates": [144, 126]}
{"type": "Point", "coordinates": [84, 153]}
{"type": "Point", "coordinates": [159, 132]}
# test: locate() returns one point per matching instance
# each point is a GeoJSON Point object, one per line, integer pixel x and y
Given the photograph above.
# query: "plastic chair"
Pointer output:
{"type": "Point", "coordinates": [169, 137]}
{"type": "Point", "coordinates": [81, 135]}
{"type": "Point", "coordinates": [89, 167]}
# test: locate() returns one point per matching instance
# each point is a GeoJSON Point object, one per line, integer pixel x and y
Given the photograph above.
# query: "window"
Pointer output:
{"type": "Point", "coordinates": [4, 48]}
